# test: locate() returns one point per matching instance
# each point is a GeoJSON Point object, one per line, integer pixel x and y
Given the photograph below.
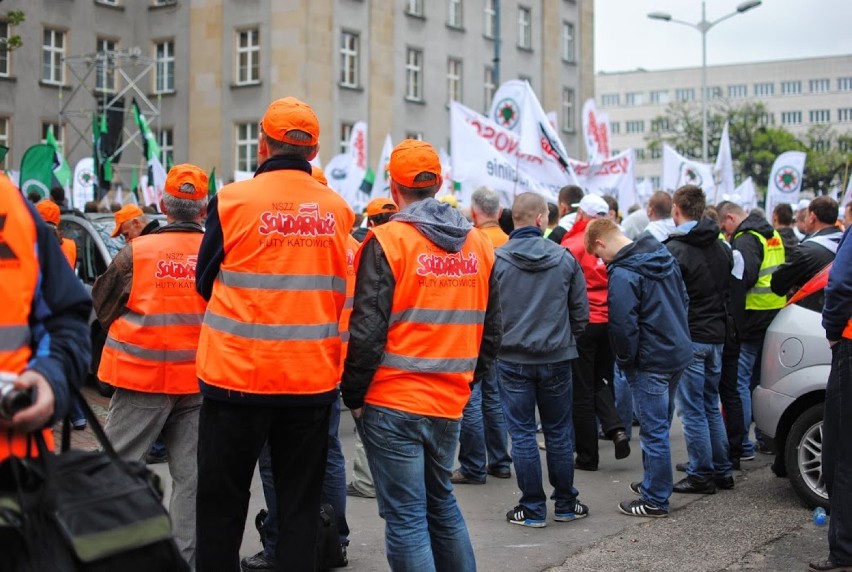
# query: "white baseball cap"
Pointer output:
{"type": "Point", "coordinates": [593, 205]}
{"type": "Point", "coordinates": [803, 204]}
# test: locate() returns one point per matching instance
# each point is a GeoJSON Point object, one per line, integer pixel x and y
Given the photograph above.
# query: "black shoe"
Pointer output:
{"type": "Point", "coordinates": [682, 467]}
{"type": "Point", "coordinates": [642, 509]}
{"type": "Point", "coordinates": [622, 445]}
{"type": "Point", "coordinates": [635, 486]}
{"type": "Point", "coordinates": [342, 560]}
{"type": "Point", "coordinates": [504, 474]}
{"type": "Point", "coordinates": [693, 486]}
{"type": "Point", "coordinates": [257, 562]}
{"type": "Point", "coordinates": [726, 483]}
{"type": "Point", "coordinates": [459, 478]}
{"type": "Point", "coordinates": [828, 566]}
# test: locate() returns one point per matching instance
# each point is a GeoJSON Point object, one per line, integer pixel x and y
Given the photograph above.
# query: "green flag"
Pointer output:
{"type": "Point", "coordinates": [134, 182]}
{"type": "Point", "coordinates": [367, 183]}
{"type": "Point", "coordinates": [106, 161]}
{"type": "Point", "coordinates": [156, 172]}
{"type": "Point", "coordinates": [61, 170]}
{"type": "Point", "coordinates": [3, 151]}
{"type": "Point", "coordinates": [211, 183]}
{"type": "Point", "coordinates": [37, 170]}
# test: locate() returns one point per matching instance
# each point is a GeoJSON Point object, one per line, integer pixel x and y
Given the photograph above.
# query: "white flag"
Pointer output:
{"type": "Point", "coordinates": [847, 196]}
{"type": "Point", "coordinates": [614, 177]}
{"type": "Point", "coordinates": [679, 170]}
{"type": "Point", "coordinates": [744, 195]}
{"type": "Point", "coordinates": [381, 186]}
{"type": "Point", "coordinates": [84, 182]}
{"type": "Point", "coordinates": [153, 191]}
{"type": "Point", "coordinates": [595, 132]}
{"type": "Point", "coordinates": [447, 184]}
{"type": "Point", "coordinates": [723, 171]}
{"type": "Point", "coordinates": [644, 190]}
{"type": "Point", "coordinates": [345, 172]}
{"type": "Point", "coordinates": [785, 180]}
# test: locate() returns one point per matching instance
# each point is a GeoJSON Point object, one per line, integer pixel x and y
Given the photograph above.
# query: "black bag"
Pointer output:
{"type": "Point", "coordinates": [83, 510]}
{"type": "Point", "coordinates": [329, 551]}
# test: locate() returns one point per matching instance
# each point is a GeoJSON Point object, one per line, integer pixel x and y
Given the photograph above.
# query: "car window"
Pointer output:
{"type": "Point", "coordinates": [113, 245]}
{"type": "Point", "coordinates": [76, 232]}
{"type": "Point", "coordinates": [813, 302]}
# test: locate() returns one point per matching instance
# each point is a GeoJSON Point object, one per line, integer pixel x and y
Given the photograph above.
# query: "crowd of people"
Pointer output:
{"type": "Point", "coordinates": [236, 330]}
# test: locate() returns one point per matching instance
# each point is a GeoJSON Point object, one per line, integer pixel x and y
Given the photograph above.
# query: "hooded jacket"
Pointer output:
{"type": "Point", "coordinates": [648, 308]}
{"type": "Point", "coordinates": [594, 271]}
{"type": "Point", "coordinates": [754, 322]}
{"type": "Point", "coordinates": [374, 291]}
{"type": "Point", "coordinates": [705, 264]}
{"type": "Point", "coordinates": [805, 260]}
{"type": "Point", "coordinates": [542, 299]}
{"type": "Point", "coordinates": [838, 293]}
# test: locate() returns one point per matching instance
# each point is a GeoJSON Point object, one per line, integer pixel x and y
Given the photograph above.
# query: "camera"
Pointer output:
{"type": "Point", "coordinates": [12, 399]}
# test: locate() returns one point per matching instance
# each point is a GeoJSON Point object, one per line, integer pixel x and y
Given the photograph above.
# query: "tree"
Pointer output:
{"type": "Point", "coordinates": [13, 18]}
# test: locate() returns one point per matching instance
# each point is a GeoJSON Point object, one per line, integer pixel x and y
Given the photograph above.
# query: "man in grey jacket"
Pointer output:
{"type": "Point", "coordinates": [544, 305]}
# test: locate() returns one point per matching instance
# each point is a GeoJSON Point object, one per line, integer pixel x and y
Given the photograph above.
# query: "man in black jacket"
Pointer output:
{"type": "Point", "coordinates": [815, 252]}
{"type": "Point", "coordinates": [705, 264]}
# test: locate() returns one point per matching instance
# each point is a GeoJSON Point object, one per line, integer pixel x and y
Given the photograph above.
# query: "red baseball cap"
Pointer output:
{"type": "Point", "coordinates": [409, 159]}
{"type": "Point", "coordinates": [289, 114]}
{"type": "Point", "coordinates": [180, 175]}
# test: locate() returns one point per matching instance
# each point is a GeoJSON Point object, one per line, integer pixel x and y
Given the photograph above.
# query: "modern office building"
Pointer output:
{"type": "Point", "coordinates": [204, 71]}
{"type": "Point", "coordinates": [798, 95]}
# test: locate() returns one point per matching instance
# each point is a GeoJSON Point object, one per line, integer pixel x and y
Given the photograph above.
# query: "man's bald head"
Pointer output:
{"type": "Point", "coordinates": [529, 209]}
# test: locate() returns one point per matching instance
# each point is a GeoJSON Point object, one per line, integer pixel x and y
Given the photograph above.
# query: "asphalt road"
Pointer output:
{"type": "Point", "coordinates": [758, 526]}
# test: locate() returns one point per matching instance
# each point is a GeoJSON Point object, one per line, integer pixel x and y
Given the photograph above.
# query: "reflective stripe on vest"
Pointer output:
{"type": "Point", "coordinates": [436, 322]}
{"type": "Point", "coordinates": [272, 321]}
{"type": "Point", "coordinates": [760, 296]}
{"type": "Point", "coordinates": [152, 346]}
{"type": "Point", "coordinates": [19, 279]}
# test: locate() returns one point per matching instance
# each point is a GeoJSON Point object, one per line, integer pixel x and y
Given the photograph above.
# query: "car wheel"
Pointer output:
{"type": "Point", "coordinates": [804, 457]}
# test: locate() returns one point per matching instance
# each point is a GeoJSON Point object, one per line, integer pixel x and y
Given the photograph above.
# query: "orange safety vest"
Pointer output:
{"type": "Point", "coordinates": [436, 322]}
{"type": "Point", "coordinates": [272, 322]}
{"type": "Point", "coordinates": [151, 347]}
{"type": "Point", "coordinates": [19, 275]}
{"type": "Point", "coordinates": [847, 331]}
{"type": "Point", "coordinates": [69, 249]}
{"type": "Point", "coordinates": [352, 246]}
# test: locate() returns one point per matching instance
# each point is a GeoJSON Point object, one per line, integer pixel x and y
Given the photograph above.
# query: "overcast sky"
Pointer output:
{"type": "Point", "coordinates": [626, 39]}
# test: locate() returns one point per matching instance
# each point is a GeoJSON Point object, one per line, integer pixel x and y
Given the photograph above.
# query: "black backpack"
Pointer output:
{"type": "Point", "coordinates": [329, 551]}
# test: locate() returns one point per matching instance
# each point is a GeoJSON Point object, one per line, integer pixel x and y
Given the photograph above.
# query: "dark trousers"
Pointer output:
{"type": "Point", "coordinates": [837, 453]}
{"type": "Point", "coordinates": [593, 370]}
{"type": "Point", "coordinates": [230, 437]}
{"type": "Point", "coordinates": [732, 405]}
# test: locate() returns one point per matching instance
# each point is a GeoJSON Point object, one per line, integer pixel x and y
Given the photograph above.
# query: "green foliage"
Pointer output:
{"type": "Point", "coordinates": [13, 42]}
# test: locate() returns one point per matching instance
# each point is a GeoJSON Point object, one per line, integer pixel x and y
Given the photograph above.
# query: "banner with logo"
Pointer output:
{"type": "Point", "coordinates": [83, 183]}
{"type": "Point", "coordinates": [614, 177]}
{"type": "Point", "coordinates": [485, 154]}
{"type": "Point", "coordinates": [381, 186]}
{"type": "Point", "coordinates": [595, 133]}
{"type": "Point", "coordinates": [723, 170]}
{"type": "Point", "coordinates": [785, 180]}
{"type": "Point", "coordinates": [346, 172]}
{"type": "Point", "coordinates": [679, 170]}
{"type": "Point", "coordinates": [37, 170]}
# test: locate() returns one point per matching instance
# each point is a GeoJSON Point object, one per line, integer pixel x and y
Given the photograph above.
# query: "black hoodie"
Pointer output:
{"type": "Point", "coordinates": [755, 322]}
{"type": "Point", "coordinates": [705, 264]}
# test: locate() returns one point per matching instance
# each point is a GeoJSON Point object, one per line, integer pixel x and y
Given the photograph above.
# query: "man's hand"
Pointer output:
{"type": "Point", "coordinates": [36, 415]}
{"type": "Point", "coordinates": [356, 413]}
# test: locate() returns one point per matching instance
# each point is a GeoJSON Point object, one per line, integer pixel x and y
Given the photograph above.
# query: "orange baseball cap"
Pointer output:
{"type": "Point", "coordinates": [289, 114]}
{"type": "Point", "coordinates": [318, 174]}
{"type": "Point", "coordinates": [409, 159]}
{"type": "Point", "coordinates": [381, 205]}
{"type": "Point", "coordinates": [49, 211]}
{"type": "Point", "coordinates": [180, 175]}
{"type": "Point", "coordinates": [126, 213]}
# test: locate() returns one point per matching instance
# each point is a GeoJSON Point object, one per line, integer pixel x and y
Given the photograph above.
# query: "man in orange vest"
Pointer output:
{"type": "Point", "coordinates": [273, 267]}
{"type": "Point", "coordinates": [147, 301]}
{"type": "Point", "coordinates": [49, 211]}
{"type": "Point", "coordinates": [425, 325]}
{"type": "Point", "coordinates": [131, 222]}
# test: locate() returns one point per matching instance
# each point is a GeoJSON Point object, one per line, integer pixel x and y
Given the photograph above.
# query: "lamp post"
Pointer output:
{"type": "Point", "coordinates": [704, 26]}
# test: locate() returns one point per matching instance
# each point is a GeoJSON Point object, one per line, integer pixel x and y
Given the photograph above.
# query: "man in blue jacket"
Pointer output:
{"type": "Point", "coordinates": [544, 305]}
{"type": "Point", "coordinates": [650, 339]}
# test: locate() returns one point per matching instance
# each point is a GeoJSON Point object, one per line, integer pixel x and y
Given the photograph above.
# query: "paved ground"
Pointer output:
{"type": "Point", "coordinates": [759, 526]}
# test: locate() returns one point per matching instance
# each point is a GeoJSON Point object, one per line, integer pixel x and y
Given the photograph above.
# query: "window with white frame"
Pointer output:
{"type": "Point", "coordinates": [345, 136]}
{"type": "Point", "coordinates": [350, 45]}
{"type": "Point", "coordinates": [819, 115]}
{"type": "Point", "coordinates": [714, 92]}
{"type": "Point", "coordinates": [844, 114]}
{"type": "Point", "coordinates": [656, 152]}
{"type": "Point", "coordinates": [634, 98]}
{"type": "Point", "coordinates": [4, 54]}
{"type": "Point", "coordinates": [655, 182]}
{"type": "Point", "coordinates": [738, 91]}
{"type": "Point", "coordinates": [455, 13]}
{"type": "Point", "coordinates": [165, 73]}
{"type": "Point", "coordinates": [248, 56]}
{"type": "Point", "coordinates": [246, 146]}
{"type": "Point", "coordinates": [791, 117]}
{"type": "Point", "coordinates": [455, 67]}
{"type": "Point", "coordinates": [844, 84]}
{"type": "Point", "coordinates": [614, 127]}
{"type": "Point", "coordinates": [791, 87]}
{"type": "Point", "coordinates": [610, 100]}
{"type": "Point", "coordinates": [414, 74]}
{"type": "Point", "coordinates": [105, 67]}
{"type": "Point", "coordinates": [490, 28]}
{"type": "Point", "coordinates": [4, 141]}
{"type": "Point", "coordinates": [660, 124]}
{"type": "Point", "coordinates": [684, 94]}
{"type": "Point", "coordinates": [660, 96]}
{"type": "Point", "coordinates": [766, 118]}
{"type": "Point", "coordinates": [414, 7]}
{"type": "Point", "coordinates": [819, 85]}
{"type": "Point", "coordinates": [488, 88]}
{"type": "Point", "coordinates": [640, 154]}
{"type": "Point", "coordinates": [568, 110]}
{"type": "Point", "coordinates": [764, 89]}
{"type": "Point", "coordinates": [524, 27]}
{"type": "Point", "coordinates": [568, 54]}
{"type": "Point", "coordinates": [166, 140]}
{"type": "Point", "coordinates": [58, 133]}
{"type": "Point", "coordinates": [821, 145]}
{"type": "Point", "coordinates": [634, 126]}
{"type": "Point", "coordinates": [52, 53]}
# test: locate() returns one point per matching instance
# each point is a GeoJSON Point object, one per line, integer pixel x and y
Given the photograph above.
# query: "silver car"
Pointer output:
{"type": "Point", "coordinates": [788, 403]}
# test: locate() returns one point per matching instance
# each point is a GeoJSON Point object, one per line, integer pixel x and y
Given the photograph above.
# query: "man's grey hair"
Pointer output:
{"type": "Point", "coordinates": [184, 210]}
{"type": "Point", "coordinates": [486, 201]}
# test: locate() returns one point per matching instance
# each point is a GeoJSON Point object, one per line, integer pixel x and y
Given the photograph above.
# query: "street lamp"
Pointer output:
{"type": "Point", "coordinates": [703, 26]}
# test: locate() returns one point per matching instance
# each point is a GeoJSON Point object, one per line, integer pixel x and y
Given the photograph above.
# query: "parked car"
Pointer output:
{"type": "Point", "coordinates": [788, 403]}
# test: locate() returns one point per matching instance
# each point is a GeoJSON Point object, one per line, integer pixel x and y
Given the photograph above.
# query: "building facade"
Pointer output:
{"type": "Point", "coordinates": [205, 70]}
{"type": "Point", "coordinates": [798, 94]}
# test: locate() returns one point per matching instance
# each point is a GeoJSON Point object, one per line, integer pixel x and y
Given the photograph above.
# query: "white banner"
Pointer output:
{"type": "Point", "coordinates": [723, 170]}
{"type": "Point", "coordinates": [595, 133]}
{"type": "Point", "coordinates": [614, 177]}
{"type": "Point", "coordinates": [446, 174]}
{"type": "Point", "coordinates": [84, 183]}
{"type": "Point", "coordinates": [744, 195]}
{"type": "Point", "coordinates": [679, 170]}
{"type": "Point", "coordinates": [483, 153]}
{"type": "Point", "coordinates": [381, 186]}
{"type": "Point", "coordinates": [785, 180]}
{"type": "Point", "coordinates": [644, 190]}
{"type": "Point", "coordinates": [345, 172]}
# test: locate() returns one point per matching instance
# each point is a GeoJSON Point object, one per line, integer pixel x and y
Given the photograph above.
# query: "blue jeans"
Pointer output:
{"type": "Point", "coordinates": [333, 487]}
{"type": "Point", "coordinates": [523, 386]}
{"type": "Point", "coordinates": [623, 400]}
{"type": "Point", "coordinates": [651, 399]}
{"type": "Point", "coordinates": [483, 431]}
{"type": "Point", "coordinates": [411, 458]}
{"type": "Point", "coordinates": [697, 400]}
{"type": "Point", "coordinates": [749, 354]}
